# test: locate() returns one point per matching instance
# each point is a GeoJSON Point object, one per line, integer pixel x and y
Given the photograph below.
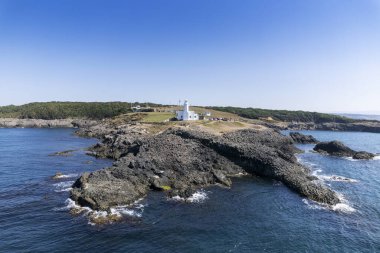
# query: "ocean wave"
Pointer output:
{"type": "Point", "coordinates": [313, 205]}
{"type": "Point", "coordinates": [377, 157]}
{"type": "Point", "coordinates": [332, 178]}
{"type": "Point", "coordinates": [72, 175]}
{"type": "Point", "coordinates": [343, 206]}
{"type": "Point", "coordinates": [336, 178]}
{"type": "Point", "coordinates": [197, 197]}
{"type": "Point", "coordinates": [63, 186]}
{"type": "Point", "coordinates": [102, 217]}
{"type": "Point", "coordinates": [315, 172]}
{"type": "Point", "coordinates": [349, 158]}
{"type": "Point", "coordinates": [125, 210]}
{"type": "Point", "coordinates": [307, 163]}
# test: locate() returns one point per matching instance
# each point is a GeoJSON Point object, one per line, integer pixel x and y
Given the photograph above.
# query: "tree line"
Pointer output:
{"type": "Point", "coordinates": [62, 110]}
{"type": "Point", "coordinates": [101, 110]}
{"type": "Point", "coordinates": [284, 115]}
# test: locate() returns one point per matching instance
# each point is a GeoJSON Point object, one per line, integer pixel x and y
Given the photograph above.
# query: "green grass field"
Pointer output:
{"type": "Point", "coordinates": [154, 117]}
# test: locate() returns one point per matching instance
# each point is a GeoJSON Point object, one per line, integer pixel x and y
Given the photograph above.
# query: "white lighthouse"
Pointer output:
{"type": "Point", "coordinates": [186, 114]}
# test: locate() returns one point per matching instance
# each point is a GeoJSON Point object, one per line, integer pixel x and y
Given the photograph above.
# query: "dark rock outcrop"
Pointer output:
{"type": "Point", "coordinates": [302, 139]}
{"type": "Point", "coordinates": [362, 155]}
{"type": "Point", "coordinates": [64, 153]}
{"type": "Point", "coordinates": [337, 148]}
{"type": "Point", "coordinates": [357, 126]}
{"type": "Point", "coordinates": [181, 161]}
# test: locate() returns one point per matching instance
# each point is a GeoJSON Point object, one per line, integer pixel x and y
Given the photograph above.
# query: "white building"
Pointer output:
{"type": "Point", "coordinates": [186, 114]}
{"type": "Point", "coordinates": [136, 108]}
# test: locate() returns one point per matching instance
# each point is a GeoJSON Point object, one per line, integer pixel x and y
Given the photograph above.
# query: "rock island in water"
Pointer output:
{"type": "Point", "coordinates": [180, 158]}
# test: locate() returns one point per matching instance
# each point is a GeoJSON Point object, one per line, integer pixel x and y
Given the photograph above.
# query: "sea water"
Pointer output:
{"type": "Point", "coordinates": [255, 215]}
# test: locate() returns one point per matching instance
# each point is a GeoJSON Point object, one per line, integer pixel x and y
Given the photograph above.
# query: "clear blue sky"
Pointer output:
{"type": "Point", "coordinates": [320, 55]}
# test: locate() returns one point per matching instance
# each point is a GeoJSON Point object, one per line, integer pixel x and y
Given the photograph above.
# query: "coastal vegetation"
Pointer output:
{"type": "Point", "coordinates": [102, 110]}
{"type": "Point", "coordinates": [284, 115]}
{"type": "Point", "coordinates": [63, 110]}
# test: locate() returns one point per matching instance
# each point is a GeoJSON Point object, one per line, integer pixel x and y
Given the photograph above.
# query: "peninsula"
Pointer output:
{"type": "Point", "coordinates": [83, 114]}
{"type": "Point", "coordinates": [184, 157]}
{"type": "Point", "coordinates": [178, 151]}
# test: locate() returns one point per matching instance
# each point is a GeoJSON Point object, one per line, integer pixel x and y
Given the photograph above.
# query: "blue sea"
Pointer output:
{"type": "Point", "coordinates": [255, 215]}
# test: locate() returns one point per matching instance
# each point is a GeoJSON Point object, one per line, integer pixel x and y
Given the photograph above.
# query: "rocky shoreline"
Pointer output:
{"type": "Point", "coordinates": [42, 123]}
{"type": "Point", "coordinates": [361, 126]}
{"type": "Point", "coordinates": [302, 139]}
{"type": "Point", "coordinates": [181, 160]}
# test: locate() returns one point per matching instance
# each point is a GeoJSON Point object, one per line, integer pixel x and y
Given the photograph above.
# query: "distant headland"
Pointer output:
{"type": "Point", "coordinates": [78, 114]}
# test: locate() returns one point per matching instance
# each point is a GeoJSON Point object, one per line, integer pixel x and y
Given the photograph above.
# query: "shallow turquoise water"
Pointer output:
{"type": "Point", "coordinates": [255, 215]}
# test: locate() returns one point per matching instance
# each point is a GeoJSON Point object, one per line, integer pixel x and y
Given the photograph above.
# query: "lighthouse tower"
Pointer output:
{"type": "Point", "coordinates": [186, 114]}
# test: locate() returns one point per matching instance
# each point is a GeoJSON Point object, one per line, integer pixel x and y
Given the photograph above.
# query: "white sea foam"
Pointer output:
{"type": "Point", "coordinates": [332, 178]}
{"type": "Point", "coordinates": [128, 211]}
{"type": "Point", "coordinates": [63, 186]}
{"type": "Point", "coordinates": [342, 207]}
{"type": "Point", "coordinates": [197, 197]}
{"type": "Point", "coordinates": [134, 210]}
{"type": "Point", "coordinates": [349, 158]}
{"type": "Point", "coordinates": [336, 178]}
{"type": "Point", "coordinates": [345, 208]}
{"type": "Point", "coordinates": [240, 174]}
{"type": "Point", "coordinates": [177, 198]}
{"type": "Point", "coordinates": [313, 205]}
{"type": "Point", "coordinates": [72, 175]}
{"type": "Point", "coordinates": [377, 157]}
{"type": "Point", "coordinates": [70, 204]}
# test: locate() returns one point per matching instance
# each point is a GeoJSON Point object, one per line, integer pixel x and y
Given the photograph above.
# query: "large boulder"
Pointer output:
{"type": "Point", "coordinates": [337, 148]}
{"type": "Point", "coordinates": [302, 139]}
{"type": "Point", "coordinates": [362, 155]}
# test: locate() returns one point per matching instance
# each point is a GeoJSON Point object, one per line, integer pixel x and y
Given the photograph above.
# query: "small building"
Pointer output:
{"type": "Point", "coordinates": [186, 114]}
{"type": "Point", "coordinates": [136, 108]}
